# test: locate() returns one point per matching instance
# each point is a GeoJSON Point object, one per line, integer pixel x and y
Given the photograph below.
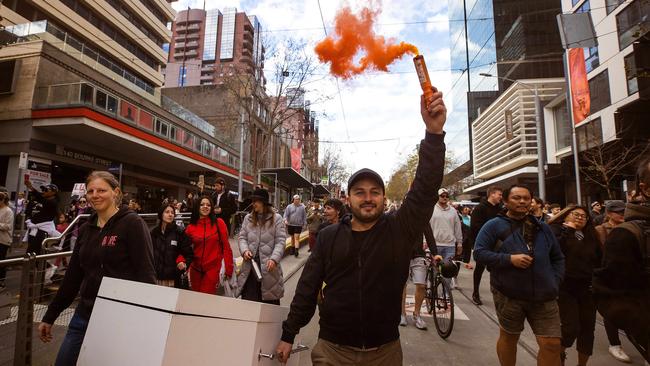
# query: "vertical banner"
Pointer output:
{"type": "Point", "coordinates": [509, 129]}
{"type": "Point", "coordinates": [580, 98]}
{"type": "Point", "coordinates": [296, 157]}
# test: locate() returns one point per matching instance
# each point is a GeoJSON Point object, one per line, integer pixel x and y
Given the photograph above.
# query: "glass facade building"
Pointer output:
{"type": "Point", "coordinates": [211, 31]}
{"type": "Point", "coordinates": [472, 52]}
{"type": "Point", "coordinates": [228, 33]}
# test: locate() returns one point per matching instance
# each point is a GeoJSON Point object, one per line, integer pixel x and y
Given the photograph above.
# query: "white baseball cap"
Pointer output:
{"type": "Point", "coordinates": [296, 196]}
{"type": "Point", "coordinates": [443, 190]}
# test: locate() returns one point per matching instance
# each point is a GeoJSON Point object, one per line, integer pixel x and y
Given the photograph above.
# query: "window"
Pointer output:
{"type": "Point", "coordinates": [632, 22]}
{"type": "Point", "coordinates": [111, 104]}
{"type": "Point", "coordinates": [172, 133]}
{"type": "Point", "coordinates": [145, 121]}
{"type": "Point", "coordinates": [162, 128]}
{"type": "Point", "coordinates": [631, 74]}
{"type": "Point", "coordinates": [228, 33]}
{"type": "Point", "coordinates": [589, 135]}
{"type": "Point", "coordinates": [128, 111]}
{"type": "Point", "coordinates": [100, 99]}
{"type": "Point", "coordinates": [591, 58]}
{"type": "Point", "coordinates": [86, 95]}
{"type": "Point", "coordinates": [562, 126]}
{"type": "Point", "coordinates": [584, 8]}
{"type": "Point", "coordinates": [599, 92]}
{"type": "Point", "coordinates": [182, 75]}
{"type": "Point", "coordinates": [613, 4]}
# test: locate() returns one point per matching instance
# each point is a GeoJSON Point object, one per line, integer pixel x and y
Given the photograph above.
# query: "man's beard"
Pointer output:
{"type": "Point", "coordinates": [357, 214]}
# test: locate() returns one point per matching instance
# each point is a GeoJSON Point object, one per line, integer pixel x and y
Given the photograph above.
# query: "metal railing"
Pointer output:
{"type": "Point", "coordinates": [30, 284]}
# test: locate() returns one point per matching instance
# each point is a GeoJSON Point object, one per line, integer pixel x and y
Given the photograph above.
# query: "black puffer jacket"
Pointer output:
{"type": "Point", "coordinates": [170, 248]}
{"type": "Point", "coordinates": [364, 280]}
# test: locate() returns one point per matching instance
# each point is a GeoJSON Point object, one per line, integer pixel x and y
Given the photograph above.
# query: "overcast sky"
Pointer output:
{"type": "Point", "coordinates": [377, 106]}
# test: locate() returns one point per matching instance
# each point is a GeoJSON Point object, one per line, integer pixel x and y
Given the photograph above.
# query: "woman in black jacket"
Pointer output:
{"type": "Point", "coordinates": [582, 251]}
{"type": "Point", "coordinates": [114, 242]}
{"type": "Point", "coordinates": [172, 250]}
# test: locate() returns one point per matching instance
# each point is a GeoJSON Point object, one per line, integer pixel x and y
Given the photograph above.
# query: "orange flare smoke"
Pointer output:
{"type": "Point", "coordinates": [354, 33]}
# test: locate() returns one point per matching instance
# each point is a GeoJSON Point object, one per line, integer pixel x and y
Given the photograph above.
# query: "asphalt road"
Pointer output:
{"type": "Point", "coordinates": [474, 336]}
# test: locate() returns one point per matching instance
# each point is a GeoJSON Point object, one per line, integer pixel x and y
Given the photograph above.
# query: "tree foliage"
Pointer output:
{"type": "Point", "coordinates": [334, 167]}
{"type": "Point", "coordinates": [401, 179]}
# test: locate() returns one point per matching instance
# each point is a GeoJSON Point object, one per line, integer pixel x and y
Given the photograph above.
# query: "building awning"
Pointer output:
{"type": "Point", "coordinates": [289, 177]}
{"type": "Point", "coordinates": [320, 190]}
{"type": "Point", "coordinates": [504, 180]}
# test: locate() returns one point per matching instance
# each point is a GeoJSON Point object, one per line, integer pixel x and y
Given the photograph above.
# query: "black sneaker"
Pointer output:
{"type": "Point", "coordinates": [476, 299]}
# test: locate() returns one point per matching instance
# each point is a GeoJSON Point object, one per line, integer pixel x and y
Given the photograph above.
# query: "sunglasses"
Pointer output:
{"type": "Point", "coordinates": [83, 201]}
{"type": "Point", "coordinates": [444, 196]}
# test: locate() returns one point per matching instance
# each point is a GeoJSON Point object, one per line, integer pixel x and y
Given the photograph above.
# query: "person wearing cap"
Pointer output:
{"type": "Point", "coordinates": [6, 231]}
{"type": "Point", "coordinates": [261, 239]}
{"type": "Point", "coordinates": [295, 217]}
{"type": "Point", "coordinates": [224, 202]}
{"type": "Point", "coordinates": [614, 216]}
{"type": "Point", "coordinates": [446, 227]}
{"type": "Point", "coordinates": [43, 212]}
{"type": "Point", "coordinates": [596, 213]}
{"type": "Point", "coordinates": [360, 264]}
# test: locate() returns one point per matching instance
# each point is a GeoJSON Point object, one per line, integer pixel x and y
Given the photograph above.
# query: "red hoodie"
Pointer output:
{"type": "Point", "coordinates": [210, 243]}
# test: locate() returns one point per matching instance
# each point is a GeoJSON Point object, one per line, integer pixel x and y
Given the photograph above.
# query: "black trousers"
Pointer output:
{"type": "Point", "coordinates": [578, 317]}
{"type": "Point", "coordinates": [629, 313]}
{"type": "Point", "coordinates": [35, 243]}
{"type": "Point", "coordinates": [479, 268]}
{"type": "Point", "coordinates": [612, 333]}
{"type": "Point", "coordinates": [252, 291]}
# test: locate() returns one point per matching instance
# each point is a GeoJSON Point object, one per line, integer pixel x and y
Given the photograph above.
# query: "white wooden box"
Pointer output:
{"type": "Point", "coordinates": [140, 324]}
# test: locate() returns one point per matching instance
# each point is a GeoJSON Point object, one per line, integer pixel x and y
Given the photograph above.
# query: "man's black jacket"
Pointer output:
{"type": "Point", "coordinates": [227, 204]}
{"type": "Point", "coordinates": [362, 296]}
{"type": "Point", "coordinates": [484, 212]}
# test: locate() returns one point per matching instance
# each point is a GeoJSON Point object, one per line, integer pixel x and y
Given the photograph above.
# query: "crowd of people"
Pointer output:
{"type": "Point", "coordinates": [553, 267]}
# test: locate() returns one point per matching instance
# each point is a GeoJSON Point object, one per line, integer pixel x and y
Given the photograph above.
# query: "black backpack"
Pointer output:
{"type": "Point", "coordinates": [641, 231]}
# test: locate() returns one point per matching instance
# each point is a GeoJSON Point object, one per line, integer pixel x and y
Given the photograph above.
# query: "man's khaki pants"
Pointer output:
{"type": "Point", "coordinates": [329, 354]}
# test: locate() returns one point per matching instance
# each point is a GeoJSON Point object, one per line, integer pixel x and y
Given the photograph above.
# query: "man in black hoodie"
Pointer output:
{"type": "Point", "coordinates": [360, 264]}
{"type": "Point", "coordinates": [224, 202]}
{"type": "Point", "coordinates": [485, 211]}
{"type": "Point", "coordinates": [622, 285]}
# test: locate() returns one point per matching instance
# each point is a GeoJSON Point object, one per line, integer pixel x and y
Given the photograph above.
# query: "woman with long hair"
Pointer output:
{"type": "Point", "coordinates": [262, 239]}
{"type": "Point", "coordinates": [172, 250]}
{"type": "Point", "coordinates": [209, 237]}
{"type": "Point", "coordinates": [579, 241]}
{"type": "Point", "coordinates": [114, 242]}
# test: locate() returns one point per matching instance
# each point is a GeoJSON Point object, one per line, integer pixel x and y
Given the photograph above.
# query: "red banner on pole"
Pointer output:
{"type": "Point", "coordinates": [296, 158]}
{"type": "Point", "coordinates": [580, 98]}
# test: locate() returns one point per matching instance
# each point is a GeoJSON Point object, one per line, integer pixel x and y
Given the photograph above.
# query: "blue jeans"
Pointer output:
{"type": "Point", "coordinates": [69, 351]}
{"type": "Point", "coordinates": [446, 252]}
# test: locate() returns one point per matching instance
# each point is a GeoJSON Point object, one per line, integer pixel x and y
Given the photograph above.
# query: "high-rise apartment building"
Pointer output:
{"type": "Point", "coordinates": [208, 46]}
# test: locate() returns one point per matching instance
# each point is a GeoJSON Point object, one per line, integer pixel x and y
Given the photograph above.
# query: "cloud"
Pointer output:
{"type": "Point", "coordinates": [438, 23]}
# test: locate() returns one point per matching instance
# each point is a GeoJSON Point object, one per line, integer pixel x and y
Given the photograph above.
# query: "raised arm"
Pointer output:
{"type": "Point", "coordinates": [421, 198]}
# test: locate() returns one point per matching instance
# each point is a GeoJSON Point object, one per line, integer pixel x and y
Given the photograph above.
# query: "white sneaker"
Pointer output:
{"type": "Point", "coordinates": [419, 323]}
{"type": "Point", "coordinates": [402, 321]}
{"type": "Point", "coordinates": [618, 353]}
{"type": "Point", "coordinates": [452, 284]}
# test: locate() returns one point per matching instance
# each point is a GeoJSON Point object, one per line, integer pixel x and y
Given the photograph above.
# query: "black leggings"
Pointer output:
{"type": "Point", "coordinates": [578, 317]}
{"type": "Point", "coordinates": [612, 333]}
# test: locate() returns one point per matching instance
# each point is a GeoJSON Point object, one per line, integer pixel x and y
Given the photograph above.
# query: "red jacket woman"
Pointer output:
{"type": "Point", "coordinates": [209, 236]}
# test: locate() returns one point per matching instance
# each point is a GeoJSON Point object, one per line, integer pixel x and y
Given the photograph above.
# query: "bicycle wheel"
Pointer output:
{"type": "Point", "coordinates": [443, 314]}
{"type": "Point", "coordinates": [428, 290]}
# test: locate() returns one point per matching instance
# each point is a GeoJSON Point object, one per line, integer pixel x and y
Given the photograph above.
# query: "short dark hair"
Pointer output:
{"type": "Point", "coordinates": [643, 173]}
{"type": "Point", "coordinates": [554, 205]}
{"type": "Point", "coordinates": [539, 200]}
{"type": "Point", "coordinates": [335, 204]}
{"type": "Point", "coordinates": [493, 189]}
{"type": "Point", "coordinates": [506, 193]}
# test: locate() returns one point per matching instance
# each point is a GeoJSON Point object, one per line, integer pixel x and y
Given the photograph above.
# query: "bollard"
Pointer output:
{"type": "Point", "coordinates": [25, 322]}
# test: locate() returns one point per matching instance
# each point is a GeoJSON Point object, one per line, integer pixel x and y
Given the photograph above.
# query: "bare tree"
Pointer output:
{"type": "Point", "coordinates": [278, 113]}
{"type": "Point", "coordinates": [333, 165]}
{"type": "Point", "coordinates": [604, 163]}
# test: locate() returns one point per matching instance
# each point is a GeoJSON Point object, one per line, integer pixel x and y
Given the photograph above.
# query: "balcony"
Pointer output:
{"type": "Point", "coordinates": [85, 95]}
{"type": "Point", "coordinates": [89, 56]}
{"type": "Point", "coordinates": [188, 54]}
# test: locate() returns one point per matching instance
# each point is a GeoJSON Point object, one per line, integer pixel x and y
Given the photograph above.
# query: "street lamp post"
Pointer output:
{"type": "Point", "coordinates": [541, 173]}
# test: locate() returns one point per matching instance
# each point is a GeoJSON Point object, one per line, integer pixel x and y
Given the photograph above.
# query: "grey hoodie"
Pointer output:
{"type": "Point", "coordinates": [446, 226]}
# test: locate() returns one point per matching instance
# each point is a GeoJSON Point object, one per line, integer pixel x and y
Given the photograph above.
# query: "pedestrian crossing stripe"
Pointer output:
{"type": "Point", "coordinates": [409, 307]}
